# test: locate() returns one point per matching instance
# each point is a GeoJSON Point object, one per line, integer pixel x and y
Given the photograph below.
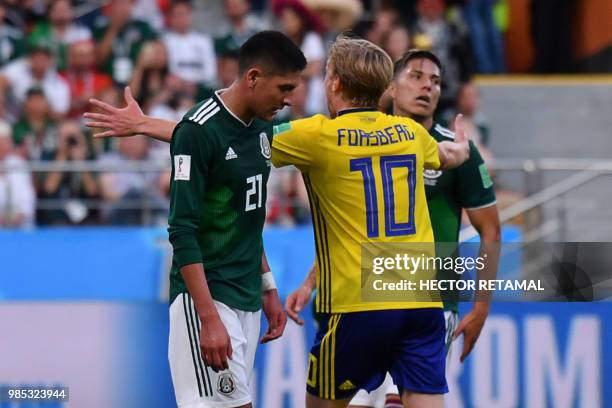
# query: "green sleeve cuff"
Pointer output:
{"type": "Point", "coordinates": [187, 256]}
{"type": "Point", "coordinates": [185, 249]}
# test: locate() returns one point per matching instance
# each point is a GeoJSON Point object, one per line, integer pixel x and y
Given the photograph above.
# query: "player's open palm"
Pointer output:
{"type": "Point", "coordinates": [119, 122]}
{"type": "Point", "coordinates": [216, 344]}
{"type": "Point", "coordinates": [296, 302]}
{"type": "Point", "coordinates": [273, 309]}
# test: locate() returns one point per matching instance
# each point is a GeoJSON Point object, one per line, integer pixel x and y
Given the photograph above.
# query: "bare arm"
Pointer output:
{"type": "Point", "coordinates": [90, 184]}
{"type": "Point", "coordinates": [298, 299]}
{"type": "Point", "coordinates": [105, 47]}
{"type": "Point", "coordinates": [486, 222]}
{"type": "Point", "coordinates": [453, 154]}
{"type": "Point", "coordinates": [117, 21]}
{"type": "Point", "coordinates": [54, 178]}
{"type": "Point", "coordinates": [272, 306]}
{"type": "Point", "coordinates": [128, 121]}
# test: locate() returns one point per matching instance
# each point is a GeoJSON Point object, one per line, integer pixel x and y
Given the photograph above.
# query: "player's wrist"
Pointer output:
{"type": "Point", "coordinates": [140, 126]}
{"type": "Point", "coordinates": [308, 286]}
{"type": "Point", "coordinates": [481, 307]}
{"type": "Point", "coordinates": [208, 317]}
{"type": "Point", "coordinates": [267, 282]}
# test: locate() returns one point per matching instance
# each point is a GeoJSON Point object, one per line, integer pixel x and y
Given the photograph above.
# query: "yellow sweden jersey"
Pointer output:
{"type": "Point", "coordinates": [364, 175]}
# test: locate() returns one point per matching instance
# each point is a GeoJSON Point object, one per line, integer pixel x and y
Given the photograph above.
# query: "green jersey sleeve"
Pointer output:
{"type": "Point", "coordinates": [475, 184]}
{"type": "Point", "coordinates": [191, 154]}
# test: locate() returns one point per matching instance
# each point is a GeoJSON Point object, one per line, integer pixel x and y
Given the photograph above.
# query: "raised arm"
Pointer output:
{"type": "Point", "coordinates": [453, 154]}
{"type": "Point", "coordinates": [127, 121]}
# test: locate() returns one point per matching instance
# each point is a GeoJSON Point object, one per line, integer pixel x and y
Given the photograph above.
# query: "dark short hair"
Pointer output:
{"type": "Point", "coordinates": [413, 54]}
{"type": "Point", "coordinates": [274, 51]}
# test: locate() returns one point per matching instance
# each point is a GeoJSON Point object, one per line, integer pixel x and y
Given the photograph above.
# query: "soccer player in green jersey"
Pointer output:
{"type": "Point", "coordinates": [220, 279]}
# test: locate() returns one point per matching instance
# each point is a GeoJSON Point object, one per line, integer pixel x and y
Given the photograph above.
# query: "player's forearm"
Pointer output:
{"type": "Point", "coordinates": [311, 279]}
{"type": "Point", "coordinates": [90, 185]}
{"type": "Point", "coordinates": [105, 46]}
{"type": "Point", "coordinates": [156, 128]}
{"type": "Point", "coordinates": [195, 279]}
{"type": "Point", "coordinates": [265, 266]}
{"type": "Point", "coordinates": [52, 182]}
{"type": "Point", "coordinates": [490, 241]}
{"type": "Point", "coordinates": [268, 284]}
{"type": "Point", "coordinates": [452, 154]}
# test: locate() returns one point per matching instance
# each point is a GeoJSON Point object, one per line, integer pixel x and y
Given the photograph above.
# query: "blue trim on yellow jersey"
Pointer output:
{"type": "Point", "coordinates": [353, 110]}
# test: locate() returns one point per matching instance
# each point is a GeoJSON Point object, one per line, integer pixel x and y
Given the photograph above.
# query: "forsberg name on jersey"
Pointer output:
{"type": "Point", "coordinates": [389, 135]}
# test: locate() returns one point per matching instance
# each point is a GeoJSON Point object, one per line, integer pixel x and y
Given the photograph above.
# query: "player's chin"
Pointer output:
{"type": "Point", "coordinates": [421, 110]}
{"type": "Point", "coordinates": [268, 115]}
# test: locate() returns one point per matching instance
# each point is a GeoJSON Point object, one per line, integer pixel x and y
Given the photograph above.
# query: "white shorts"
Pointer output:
{"type": "Point", "coordinates": [377, 397]}
{"type": "Point", "coordinates": [197, 385]}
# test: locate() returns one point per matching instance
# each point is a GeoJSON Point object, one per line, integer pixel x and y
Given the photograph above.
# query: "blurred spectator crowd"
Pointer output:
{"type": "Point", "coordinates": [57, 54]}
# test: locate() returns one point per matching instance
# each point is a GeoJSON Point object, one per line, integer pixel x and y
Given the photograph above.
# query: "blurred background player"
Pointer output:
{"type": "Point", "coordinates": [17, 195]}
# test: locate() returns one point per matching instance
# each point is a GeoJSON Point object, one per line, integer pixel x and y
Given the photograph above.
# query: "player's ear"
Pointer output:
{"type": "Point", "coordinates": [392, 90]}
{"type": "Point", "coordinates": [252, 76]}
{"type": "Point", "coordinates": [336, 85]}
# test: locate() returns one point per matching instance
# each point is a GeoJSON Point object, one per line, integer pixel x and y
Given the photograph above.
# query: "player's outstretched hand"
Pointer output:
{"type": "Point", "coordinates": [471, 326]}
{"type": "Point", "coordinates": [118, 122]}
{"type": "Point", "coordinates": [215, 344]}
{"type": "Point", "coordinates": [461, 135]}
{"type": "Point", "coordinates": [273, 309]}
{"type": "Point", "coordinates": [455, 153]}
{"type": "Point", "coordinates": [295, 303]}
{"type": "Point", "coordinates": [461, 139]}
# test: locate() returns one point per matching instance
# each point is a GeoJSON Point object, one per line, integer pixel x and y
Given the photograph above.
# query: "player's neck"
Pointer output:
{"type": "Point", "coordinates": [425, 121]}
{"type": "Point", "coordinates": [342, 105]}
{"type": "Point", "coordinates": [236, 104]}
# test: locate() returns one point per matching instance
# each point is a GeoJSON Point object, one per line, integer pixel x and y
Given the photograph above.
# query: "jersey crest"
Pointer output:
{"type": "Point", "coordinates": [227, 384]}
{"type": "Point", "coordinates": [266, 151]}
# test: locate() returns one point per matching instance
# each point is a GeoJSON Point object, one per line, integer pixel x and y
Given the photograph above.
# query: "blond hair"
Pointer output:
{"type": "Point", "coordinates": [365, 70]}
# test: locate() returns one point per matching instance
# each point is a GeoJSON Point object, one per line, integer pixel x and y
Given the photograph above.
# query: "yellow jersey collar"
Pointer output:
{"type": "Point", "coordinates": [353, 110]}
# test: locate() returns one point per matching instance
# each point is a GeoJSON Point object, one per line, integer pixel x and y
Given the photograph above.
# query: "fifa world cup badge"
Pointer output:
{"type": "Point", "coordinates": [265, 145]}
{"type": "Point", "coordinates": [226, 384]}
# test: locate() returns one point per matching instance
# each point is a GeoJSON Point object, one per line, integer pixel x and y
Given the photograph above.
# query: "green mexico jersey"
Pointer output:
{"type": "Point", "coordinates": [12, 44]}
{"type": "Point", "coordinates": [468, 186]}
{"type": "Point", "coordinates": [220, 168]}
{"type": "Point", "coordinates": [125, 48]}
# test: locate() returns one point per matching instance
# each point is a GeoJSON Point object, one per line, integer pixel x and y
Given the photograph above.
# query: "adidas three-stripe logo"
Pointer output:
{"type": "Point", "coordinates": [205, 112]}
